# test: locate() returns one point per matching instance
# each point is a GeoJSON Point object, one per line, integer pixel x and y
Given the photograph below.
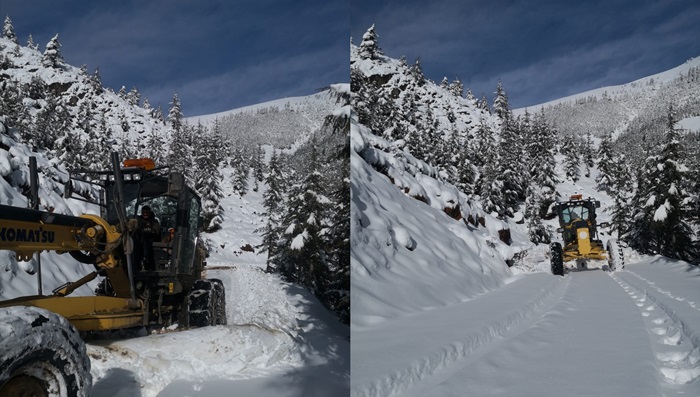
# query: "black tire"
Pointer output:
{"type": "Point", "coordinates": [616, 260]}
{"type": "Point", "coordinates": [41, 354]}
{"type": "Point", "coordinates": [557, 259]}
{"type": "Point", "coordinates": [207, 303]}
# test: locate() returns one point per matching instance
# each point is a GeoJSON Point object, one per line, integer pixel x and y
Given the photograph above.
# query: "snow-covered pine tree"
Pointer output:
{"type": "Point", "coordinates": [605, 164]}
{"type": "Point", "coordinates": [52, 57]}
{"type": "Point", "coordinates": [587, 151]}
{"type": "Point", "coordinates": [570, 148]}
{"type": "Point", "coordinates": [8, 31]}
{"type": "Point", "coordinates": [673, 234]}
{"type": "Point", "coordinates": [444, 83]}
{"type": "Point", "coordinates": [641, 209]}
{"type": "Point", "coordinates": [337, 278]}
{"type": "Point", "coordinates": [258, 165]}
{"type": "Point", "coordinates": [417, 72]}
{"type": "Point", "coordinates": [181, 153]}
{"type": "Point", "coordinates": [133, 97]}
{"type": "Point", "coordinates": [537, 231]}
{"type": "Point", "coordinates": [369, 47]}
{"type": "Point", "coordinates": [273, 199]}
{"type": "Point", "coordinates": [456, 87]}
{"type": "Point", "coordinates": [241, 170]}
{"type": "Point", "coordinates": [501, 107]}
{"type": "Point", "coordinates": [95, 81]}
{"type": "Point", "coordinates": [304, 253]}
{"type": "Point", "coordinates": [51, 119]}
{"type": "Point", "coordinates": [31, 44]}
{"type": "Point", "coordinates": [208, 179]}
{"type": "Point", "coordinates": [542, 164]}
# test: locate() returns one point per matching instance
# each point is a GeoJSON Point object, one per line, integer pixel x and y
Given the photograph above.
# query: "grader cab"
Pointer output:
{"type": "Point", "coordinates": [579, 229]}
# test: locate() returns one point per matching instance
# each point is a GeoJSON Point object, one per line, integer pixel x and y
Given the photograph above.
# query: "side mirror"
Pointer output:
{"type": "Point", "coordinates": [176, 184]}
{"type": "Point", "coordinates": [597, 204]}
{"type": "Point", "coordinates": [604, 224]}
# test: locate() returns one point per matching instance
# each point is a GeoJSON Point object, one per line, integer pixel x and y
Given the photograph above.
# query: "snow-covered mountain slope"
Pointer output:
{"type": "Point", "coordinates": [127, 117]}
{"type": "Point", "coordinates": [631, 109]}
{"type": "Point", "coordinates": [280, 123]}
{"type": "Point", "coordinates": [652, 83]}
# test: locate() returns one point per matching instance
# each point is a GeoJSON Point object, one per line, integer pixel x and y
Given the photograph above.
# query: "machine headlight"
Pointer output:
{"type": "Point", "coordinates": [583, 234]}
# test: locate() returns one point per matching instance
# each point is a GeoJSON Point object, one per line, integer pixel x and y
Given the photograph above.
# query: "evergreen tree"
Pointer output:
{"type": "Point", "coordinates": [241, 170]}
{"type": "Point", "coordinates": [445, 84]}
{"type": "Point", "coordinates": [537, 231]}
{"type": "Point", "coordinates": [273, 201]}
{"type": "Point", "coordinates": [31, 44]}
{"type": "Point", "coordinates": [181, 153]}
{"type": "Point", "coordinates": [8, 31]}
{"type": "Point", "coordinates": [587, 150]}
{"type": "Point", "coordinates": [258, 165]}
{"type": "Point", "coordinates": [304, 255]}
{"type": "Point", "coordinates": [673, 235]}
{"type": "Point", "coordinates": [208, 179]}
{"type": "Point", "coordinates": [457, 88]}
{"type": "Point", "coordinates": [572, 158]}
{"type": "Point", "coordinates": [501, 108]}
{"type": "Point", "coordinates": [369, 47]}
{"type": "Point", "coordinates": [95, 81]}
{"type": "Point", "coordinates": [542, 164]}
{"type": "Point", "coordinates": [337, 276]}
{"type": "Point", "coordinates": [605, 164]}
{"type": "Point", "coordinates": [52, 57]}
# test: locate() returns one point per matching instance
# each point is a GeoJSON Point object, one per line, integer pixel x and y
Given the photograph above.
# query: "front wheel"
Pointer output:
{"type": "Point", "coordinates": [557, 259]}
{"type": "Point", "coordinates": [41, 354]}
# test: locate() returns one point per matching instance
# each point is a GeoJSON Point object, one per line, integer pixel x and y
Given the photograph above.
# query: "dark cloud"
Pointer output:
{"type": "Point", "coordinates": [217, 54]}
{"type": "Point", "coordinates": [541, 50]}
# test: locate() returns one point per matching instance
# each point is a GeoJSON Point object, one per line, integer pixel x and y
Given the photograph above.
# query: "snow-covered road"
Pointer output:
{"type": "Point", "coordinates": [590, 333]}
{"type": "Point", "coordinates": [279, 342]}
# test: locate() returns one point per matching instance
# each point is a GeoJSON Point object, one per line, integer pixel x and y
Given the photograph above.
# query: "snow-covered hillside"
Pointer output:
{"type": "Point", "coordinates": [629, 110]}
{"type": "Point", "coordinates": [66, 103]}
{"type": "Point", "coordinates": [280, 123]}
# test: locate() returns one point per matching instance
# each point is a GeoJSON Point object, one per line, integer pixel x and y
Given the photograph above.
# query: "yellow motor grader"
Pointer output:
{"type": "Point", "coordinates": [577, 221]}
{"type": "Point", "coordinates": [144, 282]}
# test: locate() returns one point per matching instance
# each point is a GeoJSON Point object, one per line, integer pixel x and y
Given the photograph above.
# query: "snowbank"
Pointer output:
{"type": "Point", "coordinates": [408, 255]}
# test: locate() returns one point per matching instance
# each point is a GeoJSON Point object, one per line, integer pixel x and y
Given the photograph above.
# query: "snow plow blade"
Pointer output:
{"type": "Point", "coordinates": [89, 313]}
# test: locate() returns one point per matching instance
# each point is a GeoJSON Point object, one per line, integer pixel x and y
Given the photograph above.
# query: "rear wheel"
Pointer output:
{"type": "Point", "coordinates": [41, 354]}
{"type": "Point", "coordinates": [616, 260]}
{"type": "Point", "coordinates": [557, 259]}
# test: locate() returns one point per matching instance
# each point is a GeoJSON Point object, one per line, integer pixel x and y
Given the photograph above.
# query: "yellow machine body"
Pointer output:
{"type": "Point", "coordinates": [27, 232]}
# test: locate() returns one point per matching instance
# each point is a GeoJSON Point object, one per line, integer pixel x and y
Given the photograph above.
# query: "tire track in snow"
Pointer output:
{"type": "Point", "coordinates": [677, 350]}
{"type": "Point", "coordinates": [488, 337]}
{"type": "Point", "coordinates": [690, 303]}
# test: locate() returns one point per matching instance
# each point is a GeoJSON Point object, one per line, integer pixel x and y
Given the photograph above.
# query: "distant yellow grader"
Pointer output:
{"type": "Point", "coordinates": [577, 221]}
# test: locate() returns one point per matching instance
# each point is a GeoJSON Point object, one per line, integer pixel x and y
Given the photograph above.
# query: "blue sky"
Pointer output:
{"type": "Point", "coordinates": [540, 49]}
{"type": "Point", "coordinates": [216, 54]}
